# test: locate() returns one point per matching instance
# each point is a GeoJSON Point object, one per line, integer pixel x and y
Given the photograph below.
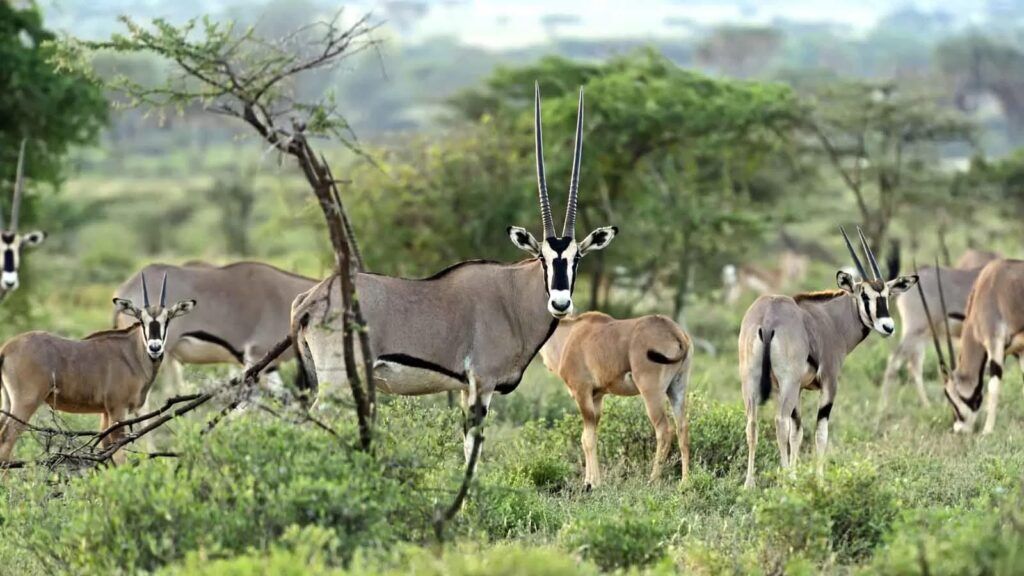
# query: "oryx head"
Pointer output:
{"type": "Point", "coordinates": [11, 241]}
{"type": "Point", "coordinates": [154, 319]}
{"type": "Point", "coordinates": [872, 293]}
{"type": "Point", "coordinates": [559, 255]}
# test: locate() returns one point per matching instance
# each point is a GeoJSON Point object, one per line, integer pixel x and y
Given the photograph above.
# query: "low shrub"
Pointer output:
{"type": "Point", "coordinates": [847, 513]}
{"type": "Point", "coordinates": [631, 536]}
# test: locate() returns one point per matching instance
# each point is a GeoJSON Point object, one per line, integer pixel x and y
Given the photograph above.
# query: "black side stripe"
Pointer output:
{"type": "Point", "coordinates": [207, 337]}
{"type": "Point", "coordinates": [956, 316]}
{"type": "Point", "coordinates": [414, 362]}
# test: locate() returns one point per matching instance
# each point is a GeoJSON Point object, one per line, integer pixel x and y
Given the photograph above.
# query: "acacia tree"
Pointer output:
{"type": "Point", "coordinates": [670, 154]}
{"type": "Point", "coordinates": [883, 142]}
{"type": "Point", "coordinates": [240, 74]}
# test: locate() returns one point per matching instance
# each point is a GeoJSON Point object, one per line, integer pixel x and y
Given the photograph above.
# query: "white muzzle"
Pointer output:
{"type": "Point", "coordinates": [885, 326]}
{"type": "Point", "coordinates": [560, 303]}
{"type": "Point", "coordinates": [9, 280]}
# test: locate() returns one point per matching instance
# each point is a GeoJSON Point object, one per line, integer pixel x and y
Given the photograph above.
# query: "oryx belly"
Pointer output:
{"type": "Point", "coordinates": [625, 386]}
{"type": "Point", "coordinates": [398, 378]}
{"type": "Point", "coordinates": [195, 350]}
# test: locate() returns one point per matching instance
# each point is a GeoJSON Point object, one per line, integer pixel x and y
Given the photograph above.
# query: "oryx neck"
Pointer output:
{"type": "Point", "coordinates": [844, 319]}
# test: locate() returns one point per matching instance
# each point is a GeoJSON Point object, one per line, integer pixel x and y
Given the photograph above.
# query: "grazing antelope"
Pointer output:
{"type": "Point", "coordinates": [108, 372]}
{"type": "Point", "coordinates": [595, 354]}
{"type": "Point", "coordinates": [485, 317]}
{"type": "Point", "coordinates": [11, 241]}
{"type": "Point", "coordinates": [801, 342]}
{"type": "Point", "coordinates": [916, 321]}
{"type": "Point", "coordinates": [992, 330]}
{"type": "Point", "coordinates": [247, 307]}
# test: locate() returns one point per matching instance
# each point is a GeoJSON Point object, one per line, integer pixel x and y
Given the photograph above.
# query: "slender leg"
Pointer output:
{"type": "Point", "coordinates": [11, 430]}
{"type": "Point", "coordinates": [995, 371]}
{"type": "Point", "coordinates": [915, 362]}
{"type": "Point", "coordinates": [796, 436]}
{"type": "Point", "coordinates": [751, 406]}
{"type": "Point", "coordinates": [654, 401]}
{"type": "Point", "coordinates": [677, 399]}
{"type": "Point", "coordinates": [590, 411]}
{"type": "Point", "coordinates": [113, 417]}
{"type": "Point", "coordinates": [821, 430]}
{"type": "Point", "coordinates": [472, 418]}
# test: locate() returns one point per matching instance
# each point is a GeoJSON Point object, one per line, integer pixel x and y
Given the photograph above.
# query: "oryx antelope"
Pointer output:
{"type": "Point", "coordinates": [12, 241]}
{"type": "Point", "coordinates": [107, 372]}
{"type": "Point", "coordinates": [801, 342]}
{"type": "Point", "coordinates": [956, 284]}
{"type": "Point", "coordinates": [246, 308]}
{"type": "Point", "coordinates": [992, 330]}
{"type": "Point", "coordinates": [485, 317]}
{"type": "Point", "coordinates": [595, 355]}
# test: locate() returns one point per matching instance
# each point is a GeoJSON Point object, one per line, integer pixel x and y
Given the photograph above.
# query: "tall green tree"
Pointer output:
{"type": "Point", "coordinates": [652, 131]}
{"type": "Point", "coordinates": [54, 109]}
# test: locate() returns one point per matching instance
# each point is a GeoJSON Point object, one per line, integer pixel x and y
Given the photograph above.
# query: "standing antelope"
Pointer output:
{"type": "Point", "coordinates": [993, 329]}
{"type": "Point", "coordinates": [801, 342]}
{"type": "Point", "coordinates": [484, 317]}
{"type": "Point", "coordinates": [107, 372]}
{"type": "Point", "coordinates": [595, 354]}
{"type": "Point", "coordinates": [247, 307]}
{"type": "Point", "coordinates": [11, 241]}
{"type": "Point", "coordinates": [916, 319]}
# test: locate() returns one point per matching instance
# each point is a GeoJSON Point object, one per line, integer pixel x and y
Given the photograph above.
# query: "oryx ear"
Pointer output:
{"type": "Point", "coordinates": [181, 308]}
{"type": "Point", "coordinates": [901, 284]}
{"type": "Point", "coordinates": [123, 306]}
{"type": "Point", "coordinates": [845, 281]}
{"type": "Point", "coordinates": [33, 238]}
{"type": "Point", "coordinates": [524, 240]}
{"type": "Point", "coordinates": [598, 239]}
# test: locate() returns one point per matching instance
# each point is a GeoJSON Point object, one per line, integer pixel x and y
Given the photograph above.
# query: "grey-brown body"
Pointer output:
{"type": "Point", "coordinates": [246, 310]}
{"type": "Point", "coordinates": [596, 355]}
{"type": "Point", "coordinates": [915, 331]}
{"type": "Point", "coordinates": [992, 330]}
{"type": "Point", "coordinates": [107, 373]}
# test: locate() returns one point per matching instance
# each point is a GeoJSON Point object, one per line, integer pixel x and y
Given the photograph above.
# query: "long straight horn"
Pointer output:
{"type": "Point", "coordinates": [569, 229]}
{"type": "Point", "coordinates": [542, 184]}
{"type": "Point", "coordinates": [871, 255]}
{"type": "Point", "coordinates": [945, 315]}
{"type": "Point", "coordinates": [931, 327]}
{"type": "Point", "coordinates": [145, 291]}
{"type": "Point", "coordinates": [853, 254]}
{"type": "Point", "coordinates": [19, 187]}
{"type": "Point", "coordinates": [163, 292]}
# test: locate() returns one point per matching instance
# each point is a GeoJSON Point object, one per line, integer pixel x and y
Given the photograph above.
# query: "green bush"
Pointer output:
{"type": "Point", "coordinates": [955, 541]}
{"type": "Point", "coordinates": [632, 536]}
{"type": "Point", "coordinates": [237, 489]}
{"type": "Point", "coordinates": [846, 513]}
{"type": "Point", "coordinates": [502, 511]}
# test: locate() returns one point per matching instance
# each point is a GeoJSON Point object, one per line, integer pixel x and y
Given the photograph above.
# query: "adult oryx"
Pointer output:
{"type": "Point", "coordinates": [993, 329]}
{"type": "Point", "coordinates": [801, 342]}
{"type": "Point", "coordinates": [595, 355]}
{"type": "Point", "coordinates": [12, 241]}
{"type": "Point", "coordinates": [481, 317]}
{"type": "Point", "coordinates": [956, 284]}
{"type": "Point", "coordinates": [246, 311]}
{"type": "Point", "coordinates": [108, 372]}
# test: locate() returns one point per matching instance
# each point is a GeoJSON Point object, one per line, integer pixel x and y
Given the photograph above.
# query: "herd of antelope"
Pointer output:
{"type": "Point", "coordinates": [475, 326]}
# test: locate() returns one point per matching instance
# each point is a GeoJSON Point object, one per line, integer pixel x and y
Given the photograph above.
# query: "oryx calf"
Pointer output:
{"type": "Point", "coordinates": [956, 284]}
{"type": "Point", "coordinates": [801, 342]}
{"type": "Point", "coordinates": [12, 241]}
{"type": "Point", "coordinates": [993, 329]}
{"type": "Point", "coordinates": [246, 310]}
{"type": "Point", "coordinates": [108, 372]}
{"type": "Point", "coordinates": [595, 355]}
{"type": "Point", "coordinates": [481, 317]}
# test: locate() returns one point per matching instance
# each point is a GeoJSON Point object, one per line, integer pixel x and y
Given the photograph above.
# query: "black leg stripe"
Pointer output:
{"type": "Point", "coordinates": [824, 411]}
{"type": "Point", "coordinates": [995, 369]}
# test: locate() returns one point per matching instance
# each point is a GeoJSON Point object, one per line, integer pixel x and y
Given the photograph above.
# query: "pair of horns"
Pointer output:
{"type": "Point", "coordinates": [19, 187]}
{"type": "Point", "coordinates": [947, 369]}
{"type": "Point", "coordinates": [163, 292]}
{"type": "Point", "coordinates": [876, 273]}
{"type": "Point", "coordinates": [568, 229]}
